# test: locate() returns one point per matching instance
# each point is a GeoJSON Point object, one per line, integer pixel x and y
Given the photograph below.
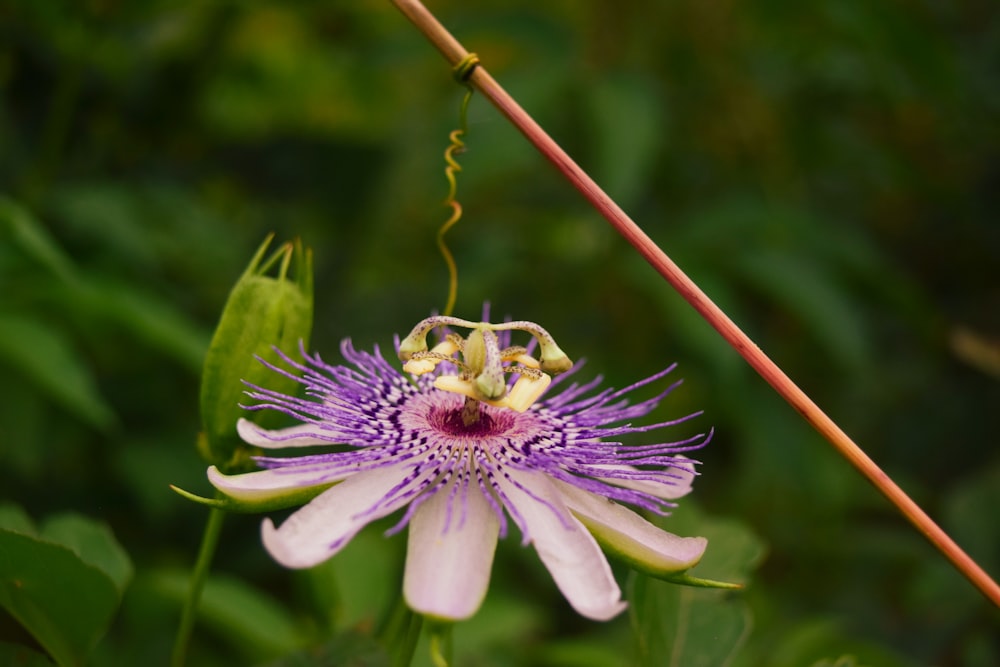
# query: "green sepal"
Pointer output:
{"type": "Point", "coordinates": [678, 576]}
{"type": "Point", "coordinates": [290, 498]}
{"type": "Point", "coordinates": [685, 579]}
{"type": "Point", "coordinates": [262, 313]}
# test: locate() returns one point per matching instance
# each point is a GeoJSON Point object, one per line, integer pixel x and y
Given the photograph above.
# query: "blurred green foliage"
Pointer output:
{"type": "Point", "coordinates": [826, 171]}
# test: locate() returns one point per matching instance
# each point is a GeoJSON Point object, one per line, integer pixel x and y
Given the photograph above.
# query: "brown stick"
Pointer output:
{"type": "Point", "coordinates": [454, 52]}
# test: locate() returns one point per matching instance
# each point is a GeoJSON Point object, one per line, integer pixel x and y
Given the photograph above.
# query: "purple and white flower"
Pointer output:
{"type": "Point", "coordinates": [463, 445]}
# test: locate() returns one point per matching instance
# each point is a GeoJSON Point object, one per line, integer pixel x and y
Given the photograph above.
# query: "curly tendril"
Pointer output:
{"type": "Point", "coordinates": [461, 72]}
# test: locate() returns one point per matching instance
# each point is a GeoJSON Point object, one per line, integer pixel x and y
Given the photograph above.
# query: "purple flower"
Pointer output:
{"type": "Point", "coordinates": [463, 446]}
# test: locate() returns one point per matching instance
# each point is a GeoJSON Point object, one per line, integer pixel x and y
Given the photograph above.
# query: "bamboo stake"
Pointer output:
{"type": "Point", "coordinates": [481, 80]}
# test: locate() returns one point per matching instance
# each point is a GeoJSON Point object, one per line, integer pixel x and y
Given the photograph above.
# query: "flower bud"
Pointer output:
{"type": "Point", "coordinates": [262, 313]}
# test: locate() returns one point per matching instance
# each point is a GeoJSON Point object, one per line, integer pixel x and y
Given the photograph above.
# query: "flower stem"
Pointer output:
{"type": "Point", "coordinates": [401, 633]}
{"type": "Point", "coordinates": [209, 541]}
{"type": "Point", "coordinates": [481, 80]}
{"type": "Point", "coordinates": [441, 645]}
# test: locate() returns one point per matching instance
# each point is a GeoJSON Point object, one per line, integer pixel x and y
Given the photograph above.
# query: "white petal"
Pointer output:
{"type": "Point", "coordinates": [266, 484]}
{"type": "Point", "coordinates": [567, 549]}
{"type": "Point", "coordinates": [320, 529]}
{"type": "Point", "coordinates": [448, 559]}
{"type": "Point", "coordinates": [682, 476]}
{"type": "Point", "coordinates": [630, 536]}
{"type": "Point", "coordinates": [293, 436]}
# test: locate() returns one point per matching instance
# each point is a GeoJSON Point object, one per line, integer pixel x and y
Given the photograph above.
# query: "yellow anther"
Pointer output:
{"type": "Point", "coordinates": [420, 366]}
{"type": "Point", "coordinates": [445, 348]}
{"type": "Point", "coordinates": [526, 391]}
{"type": "Point", "coordinates": [526, 360]}
{"type": "Point", "coordinates": [424, 362]}
{"type": "Point", "coordinates": [456, 385]}
{"type": "Point", "coordinates": [411, 345]}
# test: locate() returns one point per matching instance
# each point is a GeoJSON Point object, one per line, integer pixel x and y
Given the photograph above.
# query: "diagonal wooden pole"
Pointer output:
{"type": "Point", "coordinates": [481, 80]}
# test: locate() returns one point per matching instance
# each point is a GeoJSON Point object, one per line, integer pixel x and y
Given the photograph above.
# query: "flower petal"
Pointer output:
{"type": "Point", "coordinates": [449, 554]}
{"type": "Point", "coordinates": [293, 436]}
{"type": "Point", "coordinates": [322, 528]}
{"type": "Point", "coordinates": [567, 549]}
{"type": "Point", "coordinates": [267, 484]}
{"type": "Point", "coordinates": [628, 535]}
{"type": "Point", "coordinates": [682, 477]}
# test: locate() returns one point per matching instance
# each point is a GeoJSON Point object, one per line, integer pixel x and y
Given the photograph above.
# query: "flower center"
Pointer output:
{"type": "Point", "coordinates": [450, 422]}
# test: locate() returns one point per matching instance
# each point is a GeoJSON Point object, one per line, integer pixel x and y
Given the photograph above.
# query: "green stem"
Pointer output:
{"type": "Point", "coordinates": [407, 646]}
{"type": "Point", "coordinates": [401, 633]}
{"type": "Point", "coordinates": [441, 645]}
{"type": "Point", "coordinates": [209, 541]}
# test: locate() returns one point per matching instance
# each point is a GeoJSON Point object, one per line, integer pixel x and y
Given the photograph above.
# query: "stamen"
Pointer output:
{"type": "Point", "coordinates": [526, 391]}
{"type": "Point", "coordinates": [424, 362]}
{"type": "Point", "coordinates": [482, 362]}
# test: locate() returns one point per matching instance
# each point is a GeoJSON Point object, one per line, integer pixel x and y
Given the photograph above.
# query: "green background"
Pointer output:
{"type": "Point", "coordinates": [827, 171]}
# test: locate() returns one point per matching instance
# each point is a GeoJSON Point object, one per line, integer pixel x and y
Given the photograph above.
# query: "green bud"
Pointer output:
{"type": "Point", "coordinates": [262, 312]}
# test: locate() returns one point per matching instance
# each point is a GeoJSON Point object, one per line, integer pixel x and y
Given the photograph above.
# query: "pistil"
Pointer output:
{"type": "Point", "coordinates": [471, 411]}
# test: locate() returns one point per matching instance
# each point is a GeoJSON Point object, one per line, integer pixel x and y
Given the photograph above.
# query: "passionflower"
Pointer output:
{"type": "Point", "coordinates": [463, 443]}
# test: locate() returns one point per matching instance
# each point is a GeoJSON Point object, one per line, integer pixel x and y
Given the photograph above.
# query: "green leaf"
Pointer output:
{"type": "Point", "coordinates": [346, 650]}
{"type": "Point", "coordinates": [64, 600]}
{"type": "Point", "coordinates": [585, 652]}
{"type": "Point", "coordinates": [151, 318]}
{"type": "Point", "coordinates": [975, 529]}
{"type": "Point", "coordinates": [93, 543]}
{"type": "Point", "coordinates": [106, 214]}
{"type": "Point", "coordinates": [842, 661]}
{"type": "Point", "coordinates": [821, 642]}
{"type": "Point", "coordinates": [734, 551]}
{"type": "Point", "coordinates": [358, 586]}
{"type": "Point", "coordinates": [690, 627]}
{"type": "Point", "coordinates": [16, 520]}
{"type": "Point", "coordinates": [47, 359]}
{"type": "Point", "coordinates": [28, 233]}
{"type": "Point", "coordinates": [149, 465]}
{"type": "Point", "coordinates": [626, 126]}
{"type": "Point", "coordinates": [253, 622]}
{"type": "Point", "coordinates": [22, 656]}
{"type": "Point", "coordinates": [809, 289]}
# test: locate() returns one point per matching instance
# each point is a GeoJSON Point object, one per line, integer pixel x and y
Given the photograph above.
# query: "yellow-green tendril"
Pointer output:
{"type": "Point", "coordinates": [461, 73]}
